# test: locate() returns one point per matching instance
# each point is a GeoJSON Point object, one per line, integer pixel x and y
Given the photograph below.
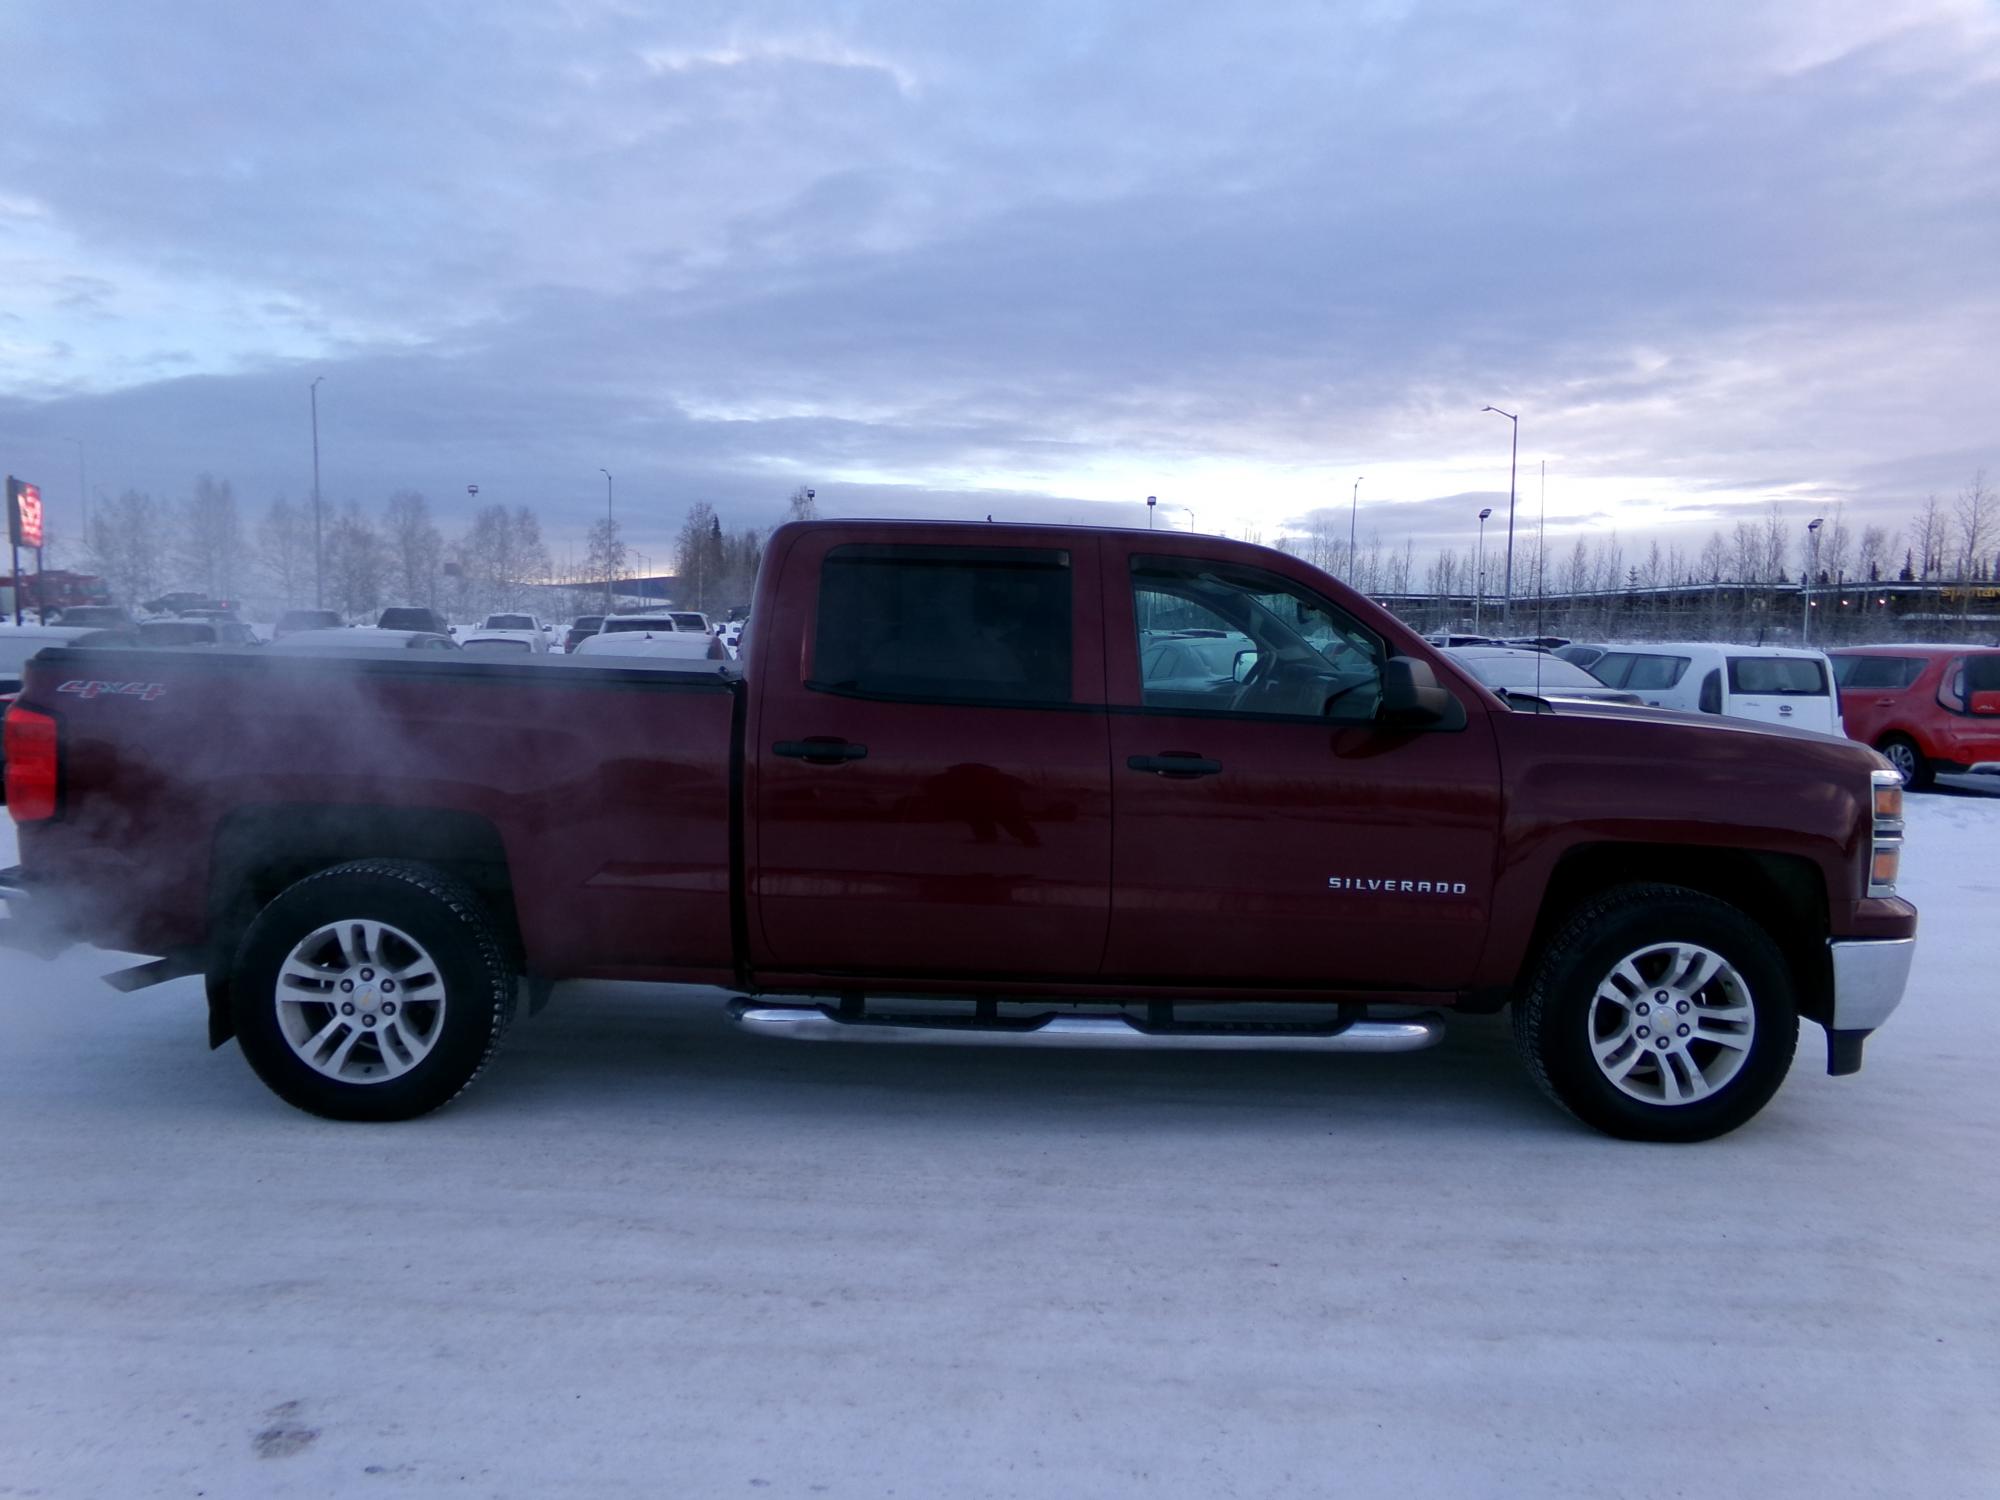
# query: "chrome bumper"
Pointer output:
{"type": "Point", "coordinates": [1868, 980]}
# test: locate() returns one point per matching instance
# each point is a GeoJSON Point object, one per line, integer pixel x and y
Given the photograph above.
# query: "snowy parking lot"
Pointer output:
{"type": "Point", "coordinates": [649, 1256]}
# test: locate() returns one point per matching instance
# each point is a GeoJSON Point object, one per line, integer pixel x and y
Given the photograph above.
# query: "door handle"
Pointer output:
{"type": "Point", "coordinates": [821, 751]}
{"type": "Point", "coordinates": [1174, 763]}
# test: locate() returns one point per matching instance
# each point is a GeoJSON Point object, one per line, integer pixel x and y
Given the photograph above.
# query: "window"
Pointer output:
{"type": "Point", "coordinates": [1613, 667]}
{"type": "Point", "coordinates": [1882, 672]}
{"type": "Point", "coordinates": [1711, 692]}
{"type": "Point", "coordinates": [1244, 641]}
{"type": "Point", "coordinates": [1777, 676]}
{"type": "Point", "coordinates": [965, 624]}
{"type": "Point", "coordinates": [1982, 673]}
{"type": "Point", "coordinates": [1655, 674]}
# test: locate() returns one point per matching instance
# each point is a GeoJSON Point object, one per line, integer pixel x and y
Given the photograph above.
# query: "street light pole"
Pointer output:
{"type": "Point", "coordinates": [1479, 570]}
{"type": "Point", "coordinates": [319, 546]}
{"type": "Point", "coordinates": [1812, 570]}
{"type": "Point", "coordinates": [1513, 454]}
{"type": "Point", "coordinates": [1152, 504]}
{"type": "Point", "coordinates": [610, 538]}
{"type": "Point", "coordinates": [1353, 510]}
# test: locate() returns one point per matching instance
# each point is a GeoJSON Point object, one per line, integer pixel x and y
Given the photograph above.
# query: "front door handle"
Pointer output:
{"type": "Point", "coordinates": [822, 750]}
{"type": "Point", "coordinates": [1174, 763]}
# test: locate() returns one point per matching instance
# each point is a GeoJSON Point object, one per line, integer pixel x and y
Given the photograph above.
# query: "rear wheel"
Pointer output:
{"type": "Point", "coordinates": [375, 990]}
{"type": "Point", "coordinates": [1659, 1014]}
{"type": "Point", "coordinates": [1903, 754]}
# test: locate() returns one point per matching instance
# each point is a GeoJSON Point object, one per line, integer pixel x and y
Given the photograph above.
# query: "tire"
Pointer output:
{"type": "Point", "coordinates": [1725, 982]}
{"type": "Point", "coordinates": [1902, 752]}
{"type": "Point", "coordinates": [375, 990]}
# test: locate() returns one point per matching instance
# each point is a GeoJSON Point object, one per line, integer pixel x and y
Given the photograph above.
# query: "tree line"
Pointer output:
{"type": "Point", "coordinates": [499, 561]}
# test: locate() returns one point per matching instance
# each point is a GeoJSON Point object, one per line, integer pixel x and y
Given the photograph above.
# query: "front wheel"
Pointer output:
{"type": "Point", "coordinates": [1908, 760]}
{"type": "Point", "coordinates": [1659, 1014]}
{"type": "Point", "coordinates": [375, 990]}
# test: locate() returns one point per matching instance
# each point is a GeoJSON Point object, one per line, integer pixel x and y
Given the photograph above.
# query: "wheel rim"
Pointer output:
{"type": "Point", "coordinates": [1903, 757]}
{"type": "Point", "coordinates": [360, 1001]}
{"type": "Point", "coordinates": [1672, 1023]}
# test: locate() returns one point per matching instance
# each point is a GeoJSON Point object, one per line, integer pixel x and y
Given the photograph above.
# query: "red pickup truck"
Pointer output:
{"type": "Point", "coordinates": [1090, 788]}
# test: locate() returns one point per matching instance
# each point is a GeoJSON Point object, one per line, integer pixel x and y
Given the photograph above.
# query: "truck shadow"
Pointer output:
{"type": "Point", "coordinates": [671, 1051]}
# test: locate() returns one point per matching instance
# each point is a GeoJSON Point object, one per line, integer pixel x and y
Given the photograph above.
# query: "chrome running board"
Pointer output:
{"type": "Point", "coordinates": [815, 1023]}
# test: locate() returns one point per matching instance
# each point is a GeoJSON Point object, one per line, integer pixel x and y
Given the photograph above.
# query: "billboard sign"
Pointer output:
{"type": "Point", "coordinates": [24, 513]}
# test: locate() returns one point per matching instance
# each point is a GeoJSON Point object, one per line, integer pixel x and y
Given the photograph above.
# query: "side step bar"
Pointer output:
{"type": "Point", "coordinates": [816, 1023]}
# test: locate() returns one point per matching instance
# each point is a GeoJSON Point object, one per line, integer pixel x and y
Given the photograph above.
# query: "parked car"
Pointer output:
{"type": "Point", "coordinates": [323, 641]}
{"type": "Point", "coordinates": [293, 620]}
{"type": "Point", "coordinates": [939, 774]}
{"type": "Point", "coordinates": [511, 632]}
{"type": "Point", "coordinates": [1771, 684]}
{"type": "Point", "coordinates": [653, 635]}
{"type": "Point", "coordinates": [579, 628]}
{"type": "Point", "coordinates": [1927, 708]}
{"type": "Point", "coordinates": [95, 617]}
{"type": "Point", "coordinates": [412, 617]}
{"type": "Point", "coordinates": [196, 633]}
{"type": "Point", "coordinates": [1522, 672]}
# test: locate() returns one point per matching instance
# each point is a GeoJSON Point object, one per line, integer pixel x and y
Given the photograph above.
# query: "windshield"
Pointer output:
{"type": "Point", "coordinates": [1530, 672]}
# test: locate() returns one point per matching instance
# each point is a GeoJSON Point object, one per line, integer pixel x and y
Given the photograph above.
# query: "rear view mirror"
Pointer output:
{"type": "Point", "coordinates": [1410, 692]}
{"type": "Point", "coordinates": [1987, 702]}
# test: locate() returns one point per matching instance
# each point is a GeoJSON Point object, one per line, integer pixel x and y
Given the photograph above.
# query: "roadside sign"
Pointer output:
{"type": "Point", "coordinates": [24, 513]}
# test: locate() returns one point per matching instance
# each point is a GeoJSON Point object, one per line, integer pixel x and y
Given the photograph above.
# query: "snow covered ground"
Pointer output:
{"type": "Point", "coordinates": [648, 1256]}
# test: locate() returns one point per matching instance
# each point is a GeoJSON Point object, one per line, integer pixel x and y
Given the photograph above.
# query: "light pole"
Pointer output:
{"type": "Point", "coordinates": [1152, 504]}
{"type": "Point", "coordinates": [1353, 510]}
{"type": "Point", "coordinates": [82, 493]}
{"type": "Point", "coordinates": [1513, 453]}
{"type": "Point", "coordinates": [1479, 570]}
{"type": "Point", "coordinates": [610, 538]}
{"type": "Point", "coordinates": [319, 547]}
{"type": "Point", "coordinates": [1812, 569]}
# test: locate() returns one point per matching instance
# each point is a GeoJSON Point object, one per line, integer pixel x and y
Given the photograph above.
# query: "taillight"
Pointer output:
{"type": "Point", "coordinates": [31, 764]}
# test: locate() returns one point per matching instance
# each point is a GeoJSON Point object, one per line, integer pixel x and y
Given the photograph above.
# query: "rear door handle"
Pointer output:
{"type": "Point", "coordinates": [821, 751]}
{"type": "Point", "coordinates": [1174, 763]}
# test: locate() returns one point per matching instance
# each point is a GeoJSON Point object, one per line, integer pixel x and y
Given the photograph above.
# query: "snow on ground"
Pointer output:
{"type": "Point", "coordinates": [649, 1256]}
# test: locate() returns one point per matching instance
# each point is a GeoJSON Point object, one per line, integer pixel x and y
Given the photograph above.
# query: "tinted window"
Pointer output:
{"type": "Point", "coordinates": [1655, 673]}
{"type": "Point", "coordinates": [1777, 676]}
{"type": "Point", "coordinates": [1612, 668]}
{"type": "Point", "coordinates": [1877, 671]}
{"type": "Point", "coordinates": [1711, 693]}
{"type": "Point", "coordinates": [1300, 655]}
{"type": "Point", "coordinates": [950, 623]}
{"type": "Point", "coordinates": [1982, 674]}
{"type": "Point", "coordinates": [655, 624]}
{"type": "Point", "coordinates": [509, 622]}
{"type": "Point", "coordinates": [409, 619]}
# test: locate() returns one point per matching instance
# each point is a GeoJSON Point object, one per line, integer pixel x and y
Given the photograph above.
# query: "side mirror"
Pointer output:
{"type": "Point", "coordinates": [1410, 692]}
{"type": "Point", "coordinates": [1246, 663]}
{"type": "Point", "coordinates": [1986, 702]}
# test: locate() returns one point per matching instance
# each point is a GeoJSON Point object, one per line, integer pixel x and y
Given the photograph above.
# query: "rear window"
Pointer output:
{"type": "Point", "coordinates": [480, 643]}
{"type": "Point", "coordinates": [986, 624]}
{"type": "Point", "coordinates": [653, 623]}
{"type": "Point", "coordinates": [1777, 676]}
{"type": "Point", "coordinates": [1982, 673]}
{"type": "Point", "coordinates": [509, 622]}
{"type": "Point", "coordinates": [1877, 671]}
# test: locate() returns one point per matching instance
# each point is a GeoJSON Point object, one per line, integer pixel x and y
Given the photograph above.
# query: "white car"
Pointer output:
{"type": "Point", "coordinates": [360, 642]}
{"type": "Point", "coordinates": [512, 632]}
{"type": "Point", "coordinates": [650, 636]}
{"type": "Point", "coordinates": [1771, 684]}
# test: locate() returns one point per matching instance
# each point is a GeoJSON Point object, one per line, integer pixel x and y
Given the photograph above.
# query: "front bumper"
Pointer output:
{"type": "Point", "coordinates": [1869, 976]}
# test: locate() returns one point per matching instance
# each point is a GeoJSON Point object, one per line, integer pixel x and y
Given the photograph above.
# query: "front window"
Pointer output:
{"type": "Point", "coordinates": [1224, 638]}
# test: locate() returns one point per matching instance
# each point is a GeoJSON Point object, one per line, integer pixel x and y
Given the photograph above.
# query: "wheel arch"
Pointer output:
{"type": "Point", "coordinates": [259, 851]}
{"type": "Point", "coordinates": [1785, 894]}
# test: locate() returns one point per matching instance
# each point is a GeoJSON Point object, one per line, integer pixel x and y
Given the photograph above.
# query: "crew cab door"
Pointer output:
{"type": "Point", "coordinates": [1268, 830]}
{"type": "Point", "coordinates": [928, 759]}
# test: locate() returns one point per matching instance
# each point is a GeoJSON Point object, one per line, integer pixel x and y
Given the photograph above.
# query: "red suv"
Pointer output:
{"type": "Point", "coordinates": [1928, 708]}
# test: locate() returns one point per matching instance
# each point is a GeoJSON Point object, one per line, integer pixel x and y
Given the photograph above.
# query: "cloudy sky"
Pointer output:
{"type": "Point", "coordinates": [1034, 259]}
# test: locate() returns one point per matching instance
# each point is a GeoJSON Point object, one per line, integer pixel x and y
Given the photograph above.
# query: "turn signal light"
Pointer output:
{"type": "Point", "coordinates": [1882, 872]}
{"type": "Point", "coordinates": [30, 739]}
{"type": "Point", "coordinates": [1888, 801]}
